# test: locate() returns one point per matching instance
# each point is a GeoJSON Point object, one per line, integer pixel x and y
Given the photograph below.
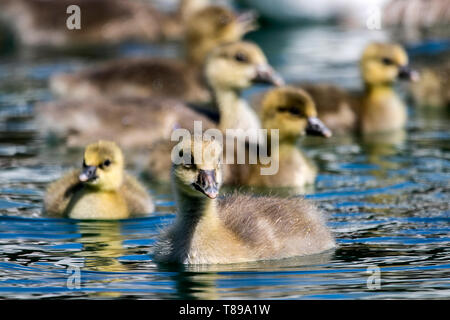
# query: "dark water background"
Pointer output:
{"type": "Point", "coordinates": [387, 200]}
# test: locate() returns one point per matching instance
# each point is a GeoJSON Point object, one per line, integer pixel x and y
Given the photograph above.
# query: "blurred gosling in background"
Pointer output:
{"type": "Point", "coordinates": [433, 88]}
{"type": "Point", "coordinates": [43, 22]}
{"type": "Point", "coordinates": [378, 108]}
{"type": "Point", "coordinates": [160, 77]}
{"type": "Point", "coordinates": [229, 70]}
{"type": "Point", "coordinates": [134, 122]}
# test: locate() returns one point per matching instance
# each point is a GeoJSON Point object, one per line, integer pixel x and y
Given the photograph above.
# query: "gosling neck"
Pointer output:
{"type": "Point", "coordinates": [194, 206]}
{"type": "Point", "coordinates": [226, 99]}
{"type": "Point", "coordinates": [382, 110]}
{"type": "Point", "coordinates": [229, 102]}
{"type": "Point", "coordinates": [283, 149]}
{"type": "Point", "coordinates": [285, 141]}
{"type": "Point", "coordinates": [379, 90]}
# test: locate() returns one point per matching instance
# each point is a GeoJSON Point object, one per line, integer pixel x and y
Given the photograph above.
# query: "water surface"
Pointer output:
{"type": "Point", "coordinates": [386, 199]}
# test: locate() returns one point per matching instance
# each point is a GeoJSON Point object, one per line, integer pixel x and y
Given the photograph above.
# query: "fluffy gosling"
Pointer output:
{"type": "Point", "coordinates": [293, 113]}
{"type": "Point", "coordinates": [100, 190]}
{"type": "Point", "coordinates": [378, 108]}
{"type": "Point", "coordinates": [237, 228]}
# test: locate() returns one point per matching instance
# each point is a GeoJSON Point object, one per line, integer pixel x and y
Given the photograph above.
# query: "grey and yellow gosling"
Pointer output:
{"type": "Point", "coordinates": [378, 109]}
{"type": "Point", "coordinates": [292, 112]}
{"type": "Point", "coordinates": [44, 22]}
{"type": "Point", "coordinates": [100, 190]}
{"type": "Point", "coordinates": [230, 69]}
{"type": "Point", "coordinates": [138, 122]}
{"type": "Point", "coordinates": [433, 88]}
{"type": "Point", "coordinates": [160, 77]}
{"type": "Point", "coordinates": [131, 122]}
{"type": "Point", "coordinates": [236, 228]}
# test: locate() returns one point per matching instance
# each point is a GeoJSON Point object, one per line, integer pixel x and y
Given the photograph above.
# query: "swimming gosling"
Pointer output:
{"type": "Point", "coordinates": [229, 69]}
{"type": "Point", "coordinates": [43, 22]}
{"type": "Point", "coordinates": [100, 190]}
{"type": "Point", "coordinates": [378, 108]}
{"type": "Point", "coordinates": [160, 77]}
{"type": "Point", "coordinates": [138, 122]}
{"type": "Point", "coordinates": [292, 112]}
{"type": "Point", "coordinates": [236, 228]}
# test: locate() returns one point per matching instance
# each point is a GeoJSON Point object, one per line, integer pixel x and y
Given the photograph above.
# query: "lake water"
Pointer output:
{"type": "Point", "coordinates": [387, 201]}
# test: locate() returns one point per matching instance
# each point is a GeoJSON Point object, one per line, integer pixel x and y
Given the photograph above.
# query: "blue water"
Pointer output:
{"type": "Point", "coordinates": [387, 200]}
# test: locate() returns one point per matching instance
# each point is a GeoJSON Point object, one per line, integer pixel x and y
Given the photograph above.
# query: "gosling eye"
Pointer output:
{"type": "Point", "coordinates": [191, 164]}
{"type": "Point", "coordinates": [105, 164]}
{"type": "Point", "coordinates": [292, 110]}
{"type": "Point", "coordinates": [240, 57]}
{"type": "Point", "coordinates": [387, 61]}
{"type": "Point", "coordinates": [295, 111]}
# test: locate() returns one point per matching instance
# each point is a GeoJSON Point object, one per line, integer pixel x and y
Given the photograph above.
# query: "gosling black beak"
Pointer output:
{"type": "Point", "coordinates": [266, 74]}
{"type": "Point", "coordinates": [316, 127]}
{"type": "Point", "coordinates": [247, 20]}
{"type": "Point", "coordinates": [207, 184]}
{"type": "Point", "coordinates": [406, 73]}
{"type": "Point", "coordinates": [89, 173]}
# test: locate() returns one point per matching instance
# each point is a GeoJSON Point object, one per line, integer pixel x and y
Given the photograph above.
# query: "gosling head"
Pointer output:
{"type": "Point", "coordinates": [103, 165]}
{"type": "Point", "coordinates": [293, 112]}
{"type": "Point", "coordinates": [212, 26]}
{"type": "Point", "coordinates": [198, 171]}
{"type": "Point", "coordinates": [384, 63]}
{"type": "Point", "coordinates": [238, 65]}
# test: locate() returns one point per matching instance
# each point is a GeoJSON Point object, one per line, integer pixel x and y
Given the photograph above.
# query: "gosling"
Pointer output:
{"type": "Point", "coordinates": [229, 69]}
{"type": "Point", "coordinates": [137, 122]}
{"type": "Point", "coordinates": [160, 77]}
{"type": "Point", "coordinates": [236, 228]}
{"type": "Point", "coordinates": [43, 22]}
{"type": "Point", "coordinates": [292, 112]}
{"type": "Point", "coordinates": [378, 109]}
{"type": "Point", "coordinates": [433, 88]}
{"type": "Point", "coordinates": [100, 190]}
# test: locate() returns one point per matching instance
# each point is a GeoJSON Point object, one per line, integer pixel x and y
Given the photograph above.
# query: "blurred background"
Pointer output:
{"type": "Point", "coordinates": [387, 203]}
